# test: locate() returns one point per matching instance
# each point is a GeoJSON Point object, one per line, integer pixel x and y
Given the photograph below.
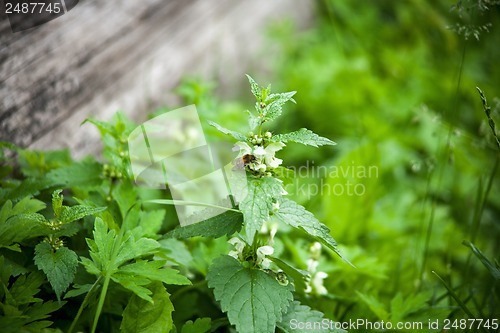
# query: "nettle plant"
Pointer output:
{"type": "Point", "coordinates": [107, 256]}
{"type": "Point", "coordinates": [253, 287]}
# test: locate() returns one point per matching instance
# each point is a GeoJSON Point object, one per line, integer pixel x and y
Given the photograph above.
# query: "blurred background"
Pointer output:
{"type": "Point", "coordinates": [411, 191]}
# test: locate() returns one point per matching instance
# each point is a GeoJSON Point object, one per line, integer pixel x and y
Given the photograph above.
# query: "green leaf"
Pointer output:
{"type": "Point", "coordinates": [78, 290]}
{"type": "Point", "coordinates": [298, 217]}
{"type": "Point", "coordinates": [141, 316]}
{"type": "Point", "coordinates": [495, 272]}
{"type": "Point", "coordinates": [154, 270]}
{"type": "Point", "coordinates": [275, 104]}
{"type": "Point", "coordinates": [59, 266]}
{"type": "Point", "coordinates": [57, 203]}
{"type": "Point", "coordinates": [257, 204]}
{"type": "Point", "coordinates": [299, 276]}
{"type": "Point", "coordinates": [133, 248]}
{"type": "Point", "coordinates": [310, 319]}
{"type": "Point", "coordinates": [254, 301]}
{"type": "Point", "coordinates": [20, 222]}
{"type": "Point", "coordinates": [176, 251]}
{"type": "Point", "coordinates": [26, 287]}
{"type": "Point", "coordinates": [401, 308]}
{"type": "Point", "coordinates": [254, 87]}
{"type": "Point", "coordinates": [31, 319]}
{"type": "Point", "coordinates": [102, 126]}
{"type": "Point", "coordinates": [375, 305]}
{"type": "Point", "coordinates": [305, 137]}
{"type": "Point", "coordinates": [226, 223]}
{"type": "Point", "coordinates": [70, 214]}
{"type": "Point", "coordinates": [151, 222]}
{"type": "Point", "coordinates": [236, 135]}
{"type": "Point", "coordinates": [201, 325]}
{"type": "Point", "coordinates": [84, 174]}
{"type": "Point", "coordinates": [28, 187]}
{"type": "Point", "coordinates": [111, 256]}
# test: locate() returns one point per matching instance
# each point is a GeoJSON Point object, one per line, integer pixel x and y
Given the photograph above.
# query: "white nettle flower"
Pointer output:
{"type": "Point", "coordinates": [315, 251]}
{"type": "Point", "coordinates": [270, 228]}
{"type": "Point", "coordinates": [262, 252]}
{"type": "Point", "coordinates": [267, 154]}
{"type": "Point", "coordinates": [264, 155]}
{"type": "Point", "coordinates": [312, 265]}
{"type": "Point", "coordinates": [244, 148]}
{"type": "Point", "coordinates": [316, 286]}
{"type": "Point", "coordinates": [239, 245]}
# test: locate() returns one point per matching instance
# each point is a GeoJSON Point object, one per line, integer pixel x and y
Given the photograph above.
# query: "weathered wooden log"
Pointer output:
{"type": "Point", "coordinates": [103, 56]}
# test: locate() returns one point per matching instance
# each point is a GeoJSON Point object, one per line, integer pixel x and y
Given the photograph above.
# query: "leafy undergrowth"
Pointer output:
{"type": "Point", "coordinates": [108, 254]}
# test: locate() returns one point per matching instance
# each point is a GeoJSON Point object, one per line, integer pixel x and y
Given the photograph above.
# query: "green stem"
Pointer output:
{"type": "Point", "coordinates": [83, 305]}
{"type": "Point", "coordinates": [188, 203]}
{"type": "Point", "coordinates": [102, 297]}
{"type": "Point", "coordinates": [457, 299]}
{"type": "Point", "coordinates": [110, 269]}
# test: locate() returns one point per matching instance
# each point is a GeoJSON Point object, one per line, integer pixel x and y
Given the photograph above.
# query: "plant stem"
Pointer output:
{"type": "Point", "coordinates": [102, 297]}
{"type": "Point", "coordinates": [84, 304]}
{"type": "Point", "coordinates": [457, 299]}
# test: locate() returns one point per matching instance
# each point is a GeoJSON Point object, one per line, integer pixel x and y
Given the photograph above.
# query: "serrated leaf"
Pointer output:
{"type": "Point", "coordinates": [135, 284]}
{"type": "Point", "coordinates": [28, 187]}
{"type": "Point", "coordinates": [70, 214]}
{"type": "Point", "coordinates": [141, 316]}
{"type": "Point", "coordinates": [305, 137]}
{"type": "Point", "coordinates": [236, 135]}
{"type": "Point", "coordinates": [226, 223]}
{"type": "Point", "coordinates": [298, 217]}
{"type": "Point", "coordinates": [84, 174]}
{"type": "Point", "coordinates": [112, 255]}
{"type": "Point", "coordinates": [26, 287]}
{"type": "Point", "coordinates": [20, 227]}
{"type": "Point", "coordinates": [30, 319]}
{"type": "Point", "coordinates": [200, 325]}
{"type": "Point", "coordinates": [254, 87]}
{"type": "Point", "coordinates": [59, 266]}
{"type": "Point", "coordinates": [38, 311]}
{"type": "Point", "coordinates": [257, 204]}
{"type": "Point", "coordinates": [132, 248]}
{"type": "Point", "coordinates": [275, 104]}
{"type": "Point", "coordinates": [254, 301]}
{"type": "Point", "coordinates": [102, 126]}
{"type": "Point", "coordinates": [309, 320]}
{"type": "Point", "coordinates": [154, 270]}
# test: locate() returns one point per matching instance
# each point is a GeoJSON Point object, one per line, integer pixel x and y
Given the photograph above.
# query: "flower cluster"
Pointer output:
{"type": "Point", "coordinates": [259, 155]}
{"type": "Point", "coordinates": [315, 285]}
{"type": "Point", "coordinates": [262, 252]}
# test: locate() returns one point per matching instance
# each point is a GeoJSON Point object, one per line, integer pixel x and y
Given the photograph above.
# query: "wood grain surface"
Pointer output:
{"type": "Point", "coordinates": [104, 56]}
